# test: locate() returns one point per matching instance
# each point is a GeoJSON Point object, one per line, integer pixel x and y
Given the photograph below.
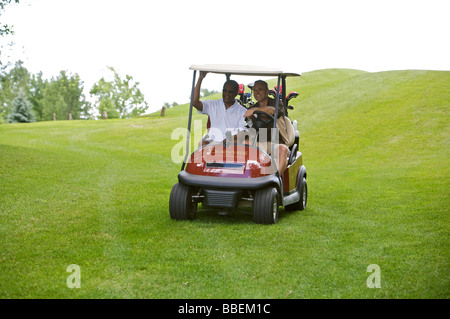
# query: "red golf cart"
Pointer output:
{"type": "Point", "coordinates": [229, 176]}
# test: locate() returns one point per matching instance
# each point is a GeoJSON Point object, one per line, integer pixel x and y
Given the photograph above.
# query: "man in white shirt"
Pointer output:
{"type": "Point", "coordinates": [225, 114]}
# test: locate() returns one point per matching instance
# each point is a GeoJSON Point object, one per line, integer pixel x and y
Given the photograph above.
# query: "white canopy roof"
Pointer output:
{"type": "Point", "coordinates": [241, 69]}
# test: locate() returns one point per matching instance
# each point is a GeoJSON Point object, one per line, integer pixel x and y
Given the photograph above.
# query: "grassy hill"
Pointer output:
{"type": "Point", "coordinates": [95, 194]}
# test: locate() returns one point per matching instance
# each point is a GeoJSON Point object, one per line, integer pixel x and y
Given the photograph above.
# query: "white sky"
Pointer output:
{"type": "Point", "coordinates": [157, 41]}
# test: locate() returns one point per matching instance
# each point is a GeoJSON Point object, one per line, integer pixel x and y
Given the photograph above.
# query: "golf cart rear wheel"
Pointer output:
{"type": "Point", "coordinates": [303, 192]}
{"type": "Point", "coordinates": [181, 204]}
{"type": "Point", "coordinates": [265, 206]}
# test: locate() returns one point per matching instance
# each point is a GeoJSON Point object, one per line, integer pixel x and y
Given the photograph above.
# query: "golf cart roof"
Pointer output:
{"type": "Point", "coordinates": [241, 70]}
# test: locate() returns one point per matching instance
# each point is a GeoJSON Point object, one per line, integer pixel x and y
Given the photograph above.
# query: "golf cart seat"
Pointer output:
{"type": "Point", "coordinates": [289, 136]}
{"type": "Point", "coordinates": [293, 149]}
{"type": "Point", "coordinates": [292, 154]}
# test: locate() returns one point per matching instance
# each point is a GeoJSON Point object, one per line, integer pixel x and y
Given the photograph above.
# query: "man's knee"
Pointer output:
{"type": "Point", "coordinates": [283, 150]}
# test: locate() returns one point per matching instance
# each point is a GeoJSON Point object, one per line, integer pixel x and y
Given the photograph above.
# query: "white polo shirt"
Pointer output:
{"type": "Point", "coordinates": [222, 119]}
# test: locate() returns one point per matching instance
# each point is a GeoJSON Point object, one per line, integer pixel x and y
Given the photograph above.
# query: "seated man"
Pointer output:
{"type": "Point", "coordinates": [286, 136]}
{"type": "Point", "coordinates": [225, 114]}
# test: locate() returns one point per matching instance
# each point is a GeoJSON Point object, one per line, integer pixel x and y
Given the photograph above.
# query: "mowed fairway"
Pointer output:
{"type": "Point", "coordinates": [96, 194]}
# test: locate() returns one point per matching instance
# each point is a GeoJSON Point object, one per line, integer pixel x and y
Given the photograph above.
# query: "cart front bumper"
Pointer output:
{"type": "Point", "coordinates": [227, 183]}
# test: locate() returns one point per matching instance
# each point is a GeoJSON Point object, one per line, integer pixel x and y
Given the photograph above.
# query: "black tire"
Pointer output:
{"type": "Point", "coordinates": [181, 204]}
{"type": "Point", "coordinates": [303, 191]}
{"type": "Point", "coordinates": [265, 206]}
{"type": "Point", "coordinates": [303, 194]}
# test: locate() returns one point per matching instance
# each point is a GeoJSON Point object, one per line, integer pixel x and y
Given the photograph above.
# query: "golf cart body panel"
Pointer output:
{"type": "Point", "coordinates": [237, 161]}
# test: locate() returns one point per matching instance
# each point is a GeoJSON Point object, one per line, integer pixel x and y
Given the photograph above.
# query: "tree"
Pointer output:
{"type": "Point", "coordinates": [22, 110]}
{"type": "Point", "coordinates": [52, 102]}
{"type": "Point", "coordinates": [11, 82]}
{"type": "Point", "coordinates": [5, 30]}
{"type": "Point", "coordinates": [36, 94]}
{"type": "Point", "coordinates": [119, 98]}
{"type": "Point", "coordinates": [70, 87]}
{"type": "Point", "coordinates": [62, 95]}
{"type": "Point", "coordinates": [205, 92]}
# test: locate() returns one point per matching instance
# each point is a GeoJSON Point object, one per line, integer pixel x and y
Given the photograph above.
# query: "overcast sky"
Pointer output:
{"type": "Point", "coordinates": [157, 41]}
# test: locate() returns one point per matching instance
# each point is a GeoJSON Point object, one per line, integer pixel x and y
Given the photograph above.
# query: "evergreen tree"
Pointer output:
{"type": "Point", "coordinates": [22, 110]}
{"type": "Point", "coordinates": [11, 82]}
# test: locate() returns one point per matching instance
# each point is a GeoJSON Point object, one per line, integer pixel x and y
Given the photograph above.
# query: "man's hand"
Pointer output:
{"type": "Point", "coordinates": [249, 112]}
{"type": "Point", "coordinates": [267, 109]}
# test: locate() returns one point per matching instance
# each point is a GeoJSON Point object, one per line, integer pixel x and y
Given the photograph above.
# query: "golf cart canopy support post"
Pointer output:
{"type": "Point", "coordinates": [274, 129]}
{"type": "Point", "coordinates": [189, 122]}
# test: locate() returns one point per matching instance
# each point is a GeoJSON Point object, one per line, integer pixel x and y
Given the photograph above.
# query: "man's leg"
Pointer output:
{"type": "Point", "coordinates": [282, 158]}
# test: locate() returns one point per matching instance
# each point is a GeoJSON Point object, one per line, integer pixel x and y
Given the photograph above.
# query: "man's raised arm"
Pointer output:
{"type": "Point", "coordinates": [196, 102]}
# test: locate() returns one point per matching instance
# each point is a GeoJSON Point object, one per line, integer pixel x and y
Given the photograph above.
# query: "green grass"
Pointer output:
{"type": "Point", "coordinates": [95, 194]}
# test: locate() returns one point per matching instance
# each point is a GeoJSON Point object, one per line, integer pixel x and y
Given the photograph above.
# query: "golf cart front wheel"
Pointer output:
{"type": "Point", "coordinates": [181, 204]}
{"type": "Point", "coordinates": [265, 206]}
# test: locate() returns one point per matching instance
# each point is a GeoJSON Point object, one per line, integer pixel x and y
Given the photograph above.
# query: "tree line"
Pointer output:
{"type": "Point", "coordinates": [26, 97]}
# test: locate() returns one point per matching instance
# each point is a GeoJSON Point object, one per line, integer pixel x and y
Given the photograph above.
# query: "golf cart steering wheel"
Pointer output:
{"type": "Point", "coordinates": [262, 120]}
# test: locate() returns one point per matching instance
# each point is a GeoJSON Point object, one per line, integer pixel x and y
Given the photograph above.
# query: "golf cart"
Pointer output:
{"type": "Point", "coordinates": [230, 176]}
